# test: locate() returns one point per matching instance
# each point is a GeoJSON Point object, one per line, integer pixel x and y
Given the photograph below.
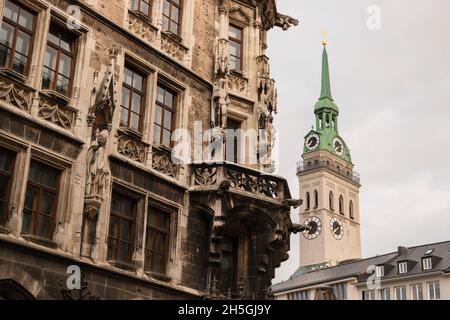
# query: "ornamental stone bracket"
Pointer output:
{"type": "Point", "coordinates": [132, 148]}
{"type": "Point", "coordinates": [141, 25]}
{"type": "Point", "coordinates": [238, 84]}
{"type": "Point", "coordinates": [16, 94]}
{"type": "Point", "coordinates": [162, 161]}
{"type": "Point", "coordinates": [57, 112]}
{"type": "Point", "coordinates": [172, 46]}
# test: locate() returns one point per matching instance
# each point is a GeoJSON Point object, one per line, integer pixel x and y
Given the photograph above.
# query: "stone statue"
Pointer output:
{"type": "Point", "coordinates": [96, 169]}
{"type": "Point", "coordinates": [221, 101]}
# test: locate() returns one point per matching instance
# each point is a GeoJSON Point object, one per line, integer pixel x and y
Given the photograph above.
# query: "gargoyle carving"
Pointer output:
{"type": "Point", "coordinates": [285, 22]}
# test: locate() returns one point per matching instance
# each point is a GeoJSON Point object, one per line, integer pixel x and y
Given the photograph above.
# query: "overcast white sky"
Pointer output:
{"type": "Point", "coordinates": [392, 86]}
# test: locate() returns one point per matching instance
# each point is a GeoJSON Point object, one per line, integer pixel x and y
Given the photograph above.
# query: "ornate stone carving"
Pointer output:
{"type": "Point", "coordinates": [285, 22]}
{"type": "Point", "coordinates": [78, 294]}
{"type": "Point", "coordinates": [162, 162]}
{"type": "Point", "coordinates": [57, 113]}
{"type": "Point", "coordinates": [132, 148]}
{"type": "Point", "coordinates": [258, 185]}
{"type": "Point", "coordinates": [205, 176]}
{"type": "Point", "coordinates": [141, 27]}
{"type": "Point", "coordinates": [222, 68]}
{"type": "Point", "coordinates": [173, 48]}
{"type": "Point", "coordinates": [97, 172]}
{"type": "Point", "coordinates": [220, 105]}
{"type": "Point", "coordinates": [237, 84]}
{"type": "Point", "coordinates": [104, 104]}
{"type": "Point", "coordinates": [15, 96]}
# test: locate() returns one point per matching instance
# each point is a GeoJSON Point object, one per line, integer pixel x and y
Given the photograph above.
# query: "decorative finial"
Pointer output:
{"type": "Point", "coordinates": [324, 38]}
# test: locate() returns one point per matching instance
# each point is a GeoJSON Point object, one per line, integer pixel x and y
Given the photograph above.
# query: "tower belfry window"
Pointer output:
{"type": "Point", "coordinates": [316, 199]}
{"type": "Point", "coordinates": [331, 200]}
{"type": "Point", "coordinates": [308, 201]}
{"type": "Point", "coordinates": [341, 204]}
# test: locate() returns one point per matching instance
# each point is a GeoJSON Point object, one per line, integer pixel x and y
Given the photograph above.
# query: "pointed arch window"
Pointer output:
{"type": "Point", "coordinates": [350, 210]}
{"type": "Point", "coordinates": [341, 204]}
{"type": "Point", "coordinates": [331, 200]}
{"type": "Point", "coordinates": [316, 199]}
{"type": "Point", "coordinates": [308, 201]}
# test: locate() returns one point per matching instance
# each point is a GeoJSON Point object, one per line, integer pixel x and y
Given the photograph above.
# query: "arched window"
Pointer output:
{"type": "Point", "coordinates": [341, 204]}
{"type": "Point", "coordinates": [308, 201]}
{"type": "Point", "coordinates": [331, 200]}
{"type": "Point", "coordinates": [316, 199]}
{"type": "Point", "coordinates": [350, 210]}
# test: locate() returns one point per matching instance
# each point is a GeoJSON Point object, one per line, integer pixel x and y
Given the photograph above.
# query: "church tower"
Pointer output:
{"type": "Point", "coordinates": [329, 187]}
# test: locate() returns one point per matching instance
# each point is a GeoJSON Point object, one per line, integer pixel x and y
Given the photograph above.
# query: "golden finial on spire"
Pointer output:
{"type": "Point", "coordinates": [324, 38]}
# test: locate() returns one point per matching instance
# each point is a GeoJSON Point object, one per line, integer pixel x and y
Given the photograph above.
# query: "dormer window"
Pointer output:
{"type": "Point", "coordinates": [427, 264]}
{"type": "Point", "coordinates": [379, 270]}
{"type": "Point", "coordinates": [402, 267]}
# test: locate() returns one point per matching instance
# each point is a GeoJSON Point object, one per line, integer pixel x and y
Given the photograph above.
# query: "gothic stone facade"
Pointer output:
{"type": "Point", "coordinates": [90, 94]}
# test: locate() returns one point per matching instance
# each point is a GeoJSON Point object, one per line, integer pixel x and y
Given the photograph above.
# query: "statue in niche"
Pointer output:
{"type": "Point", "coordinates": [97, 172]}
{"type": "Point", "coordinates": [221, 101]}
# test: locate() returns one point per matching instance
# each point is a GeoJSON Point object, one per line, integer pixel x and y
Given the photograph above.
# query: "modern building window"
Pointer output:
{"type": "Point", "coordinates": [16, 35]}
{"type": "Point", "coordinates": [172, 10]}
{"type": "Point", "coordinates": [6, 168]}
{"type": "Point", "coordinates": [164, 116]}
{"type": "Point", "coordinates": [59, 61]}
{"type": "Point", "coordinates": [228, 266]}
{"type": "Point", "coordinates": [350, 210]}
{"type": "Point", "coordinates": [402, 267]}
{"type": "Point", "coordinates": [427, 264]}
{"type": "Point", "coordinates": [341, 204]}
{"type": "Point", "coordinates": [235, 46]}
{"type": "Point", "coordinates": [434, 291]}
{"type": "Point", "coordinates": [143, 6]}
{"type": "Point", "coordinates": [379, 271]}
{"type": "Point", "coordinates": [400, 293]}
{"type": "Point", "coordinates": [385, 294]}
{"type": "Point", "coordinates": [369, 295]}
{"type": "Point", "coordinates": [133, 100]}
{"type": "Point", "coordinates": [157, 240]}
{"type": "Point", "coordinates": [316, 199]}
{"type": "Point", "coordinates": [417, 292]}
{"type": "Point", "coordinates": [121, 227]}
{"type": "Point", "coordinates": [331, 200]}
{"type": "Point", "coordinates": [308, 201]}
{"type": "Point", "coordinates": [234, 148]}
{"type": "Point", "coordinates": [40, 201]}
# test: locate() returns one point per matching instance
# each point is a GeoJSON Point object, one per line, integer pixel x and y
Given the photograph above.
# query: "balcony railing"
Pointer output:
{"type": "Point", "coordinates": [320, 164]}
{"type": "Point", "coordinates": [240, 178]}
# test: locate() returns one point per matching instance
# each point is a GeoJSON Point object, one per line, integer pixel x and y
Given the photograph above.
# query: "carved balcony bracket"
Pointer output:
{"type": "Point", "coordinates": [162, 161]}
{"type": "Point", "coordinates": [57, 113]}
{"type": "Point", "coordinates": [15, 94]}
{"type": "Point", "coordinates": [141, 25]}
{"type": "Point", "coordinates": [205, 176]}
{"type": "Point", "coordinates": [173, 47]}
{"type": "Point", "coordinates": [132, 148]}
{"type": "Point", "coordinates": [237, 83]}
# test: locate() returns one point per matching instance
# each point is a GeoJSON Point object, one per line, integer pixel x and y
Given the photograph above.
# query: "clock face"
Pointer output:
{"type": "Point", "coordinates": [312, 142]}
{"type": "Point", "coordinates": [315, 227]}
{"type": "Point", "coordinates": [338, 146]}
{"type": "Point", "coordinates": [337, 229]}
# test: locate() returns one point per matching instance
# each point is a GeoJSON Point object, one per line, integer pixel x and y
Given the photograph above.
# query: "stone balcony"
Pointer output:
{"type": "Point", "coordinates": [240, 179]}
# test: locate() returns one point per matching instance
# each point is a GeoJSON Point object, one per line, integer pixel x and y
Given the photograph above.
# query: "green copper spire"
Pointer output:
{"type": "Point", "coordinates": [326, 134]}
{"type": "Point", "coordinates": [326, 100]}
{"type": "Point", "coordinates": [326, 86]}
